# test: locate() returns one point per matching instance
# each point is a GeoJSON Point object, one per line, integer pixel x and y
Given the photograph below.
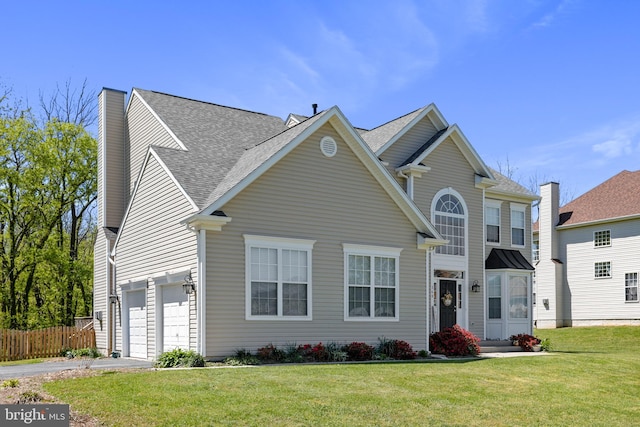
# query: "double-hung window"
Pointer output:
{"type": "Point", "coordinates": [492, 218]}
{"type": "Point", "coordinates": [517, 224]}
{"type": "Point", "coordinates": [278, 278]}
{"type": "Point", "coordinates": [371, 282]}
{"type": "Point", "coordinates": [631, 287]}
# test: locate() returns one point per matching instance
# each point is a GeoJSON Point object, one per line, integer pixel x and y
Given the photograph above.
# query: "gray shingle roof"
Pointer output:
{"type": "Point", "coordinates": [215, 137]}
{"type": "Point", "coordinates": [377, 137]}
{"type": "Point", "coordinates": [506, 185]}
{"type": "Point", "coordinates": [255, 156]}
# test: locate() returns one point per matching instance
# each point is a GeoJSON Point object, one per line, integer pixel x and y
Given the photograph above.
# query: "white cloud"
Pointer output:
{"type": "Point", "coordinates": [550, 17]}
{"type": "Point", "coordinates": [613, 148]}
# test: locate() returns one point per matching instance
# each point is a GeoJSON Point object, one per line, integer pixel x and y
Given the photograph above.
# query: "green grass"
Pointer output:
{"type": "Point", "coordinates": [592, 378]}
{"type": "Point", "coordinates": [22, 362]}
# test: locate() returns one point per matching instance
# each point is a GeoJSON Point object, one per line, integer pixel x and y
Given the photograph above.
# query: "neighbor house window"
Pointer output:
{"type": "Point", "coordinates": [371, 282]}
{"type": "Point", "coordinates": [602, 269]}
{"type": "Point", "coordinates": [602, 238]}
{"type": "Point", "coordinates": [536, 251]}
{"type": "Point", "coordinates": [631, 287]}
{"type": "Point", "coordinates": [278, 273]}
{"type": "Point", "coordinates": [492, 217]}
{"type": "Point", "coordinates": [449, 219]}
{"type": "Point", "coordinates": [517, 224]}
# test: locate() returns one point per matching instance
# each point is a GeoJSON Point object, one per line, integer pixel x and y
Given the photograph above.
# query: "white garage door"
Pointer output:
{"type": "Point", "coordinates": [137, 324]}
{"type": "Point", "coordinates": [175, 317]}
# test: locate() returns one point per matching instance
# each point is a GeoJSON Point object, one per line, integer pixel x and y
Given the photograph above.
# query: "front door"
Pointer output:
{"type": "Point", "coordinates": [448, 303]}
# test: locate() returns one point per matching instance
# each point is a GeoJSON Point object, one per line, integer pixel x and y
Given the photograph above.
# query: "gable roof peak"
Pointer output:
{"type": "Point", "coordinates": [384, 136]}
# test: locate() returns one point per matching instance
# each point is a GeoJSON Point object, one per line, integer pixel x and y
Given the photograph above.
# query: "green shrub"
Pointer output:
{"type": "Point", "coordinates": [180, 358]}
{"type": "Point", "coordinates": [10, 383]}
{"type": "Point", "coordinates": [241, 357]}
{"type": "Point", "coordinates": [87, 352]}
{"type": "Point", "coordinates": [395, 349]}
{"type": "Point", "coordinates": [93, 353]}
{"type": "Point", "coordinates": [545, 344]}
{"type": "Point", "coordinates": [28, 397]}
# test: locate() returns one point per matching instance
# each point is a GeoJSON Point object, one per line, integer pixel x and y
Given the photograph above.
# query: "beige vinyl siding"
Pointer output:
{"type": "Point", "coordinates": [144, 130]}
{"type": "Point", "coordinates": [152, 241]}
{"type": "Point", "coordinates": [112, 179]}
{"type": "Point", "coordinates": [594, 301]}
{"type": "Point", "coordinates": [329, 200]}
{"type": "Point", "coordinates": [505, 228]}
{"type": "Point", "coordinates": [100, 287]}
{"type": "Point", "coordinates": [409, 143]}
{"type": "Point", "coordinates": [449, 168]}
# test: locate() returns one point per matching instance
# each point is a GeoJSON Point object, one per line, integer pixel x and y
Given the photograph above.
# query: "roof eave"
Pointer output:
{"type": "Point", "coordinates": [598, 222]}
{"type": "Point", "coordinates": [206, 222]}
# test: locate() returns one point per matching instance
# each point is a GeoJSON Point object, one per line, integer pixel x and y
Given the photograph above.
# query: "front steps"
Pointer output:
{"type": "Point", "coordinates": [498, 346]}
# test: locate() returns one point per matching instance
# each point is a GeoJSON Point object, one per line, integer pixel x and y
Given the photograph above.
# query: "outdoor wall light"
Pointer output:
{"type": "Point", "coordinates": [188, 286]}
{"type": "Point", "coordinates": [113, 298]}
{"type": "Point", "coordinates": [475, 287]}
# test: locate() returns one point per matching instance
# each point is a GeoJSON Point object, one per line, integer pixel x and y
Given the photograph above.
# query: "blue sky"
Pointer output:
{"type": "Point", "coordinates": [549, 87]}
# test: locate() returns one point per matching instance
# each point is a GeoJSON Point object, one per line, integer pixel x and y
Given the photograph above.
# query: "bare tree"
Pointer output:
{"type": "Point", "coordinates": [71, 105]}
{"type": "Point", "coordinates": [507, 169]}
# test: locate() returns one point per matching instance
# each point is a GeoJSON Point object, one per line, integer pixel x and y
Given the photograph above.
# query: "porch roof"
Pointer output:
{"type": "Point", "coordinates": [503, 259]}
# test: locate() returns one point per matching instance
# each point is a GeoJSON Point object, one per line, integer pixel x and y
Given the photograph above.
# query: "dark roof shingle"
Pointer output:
{"type": "Point", "coordinates": [619, 196]}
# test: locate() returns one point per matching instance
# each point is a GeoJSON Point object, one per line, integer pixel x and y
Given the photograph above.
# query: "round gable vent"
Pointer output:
{"type": "Point", "coordinates": [328, 146]}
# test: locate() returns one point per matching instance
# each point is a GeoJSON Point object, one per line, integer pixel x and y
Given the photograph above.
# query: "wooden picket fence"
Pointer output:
{"type": "Point", "coordinates": [49, 342]}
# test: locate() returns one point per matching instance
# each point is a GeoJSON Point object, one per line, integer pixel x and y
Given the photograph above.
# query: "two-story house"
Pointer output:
{"type": "Point", "coordinates": [223, 228]}
{"type": "Point", "coordinates": [589, 255]}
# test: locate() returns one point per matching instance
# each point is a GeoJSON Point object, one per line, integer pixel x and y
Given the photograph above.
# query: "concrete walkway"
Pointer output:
{"type": "Point", "coordinates": [27, 370]}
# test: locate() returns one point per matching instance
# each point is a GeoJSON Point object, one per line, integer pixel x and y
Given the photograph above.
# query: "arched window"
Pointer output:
{"type": "Point", "coordinates": [449, 219]}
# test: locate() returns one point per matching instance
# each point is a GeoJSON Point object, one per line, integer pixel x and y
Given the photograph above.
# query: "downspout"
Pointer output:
{"type": "Point", "coordinates": [409, 179]}
{"type": "Point", "coordinates": [112, 307]}
{"type": "Point", "coordinates": [484, 257]}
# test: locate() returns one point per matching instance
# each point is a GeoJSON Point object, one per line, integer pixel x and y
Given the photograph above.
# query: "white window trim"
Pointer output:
{"type": "Point", "coordinates": [279, 243]}
{"type": "Point", "coordinates": [496, 205]}
{"type": "Point", "coordinates": [603, 277]}
{"type": "Point", "coordinates": [517, 207]}
{"type": "Point", "coordinates": [381, 251]}
{"type": "Point", "coordinates": [637, 286]}
{"type": "Point", "coordinates": [601, 246]}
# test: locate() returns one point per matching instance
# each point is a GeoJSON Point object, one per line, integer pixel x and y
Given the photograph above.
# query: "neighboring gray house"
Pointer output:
{"type": "Point", "coordinates": [589, 255]}
{"type": "Point", "coordinates": [224, 229]}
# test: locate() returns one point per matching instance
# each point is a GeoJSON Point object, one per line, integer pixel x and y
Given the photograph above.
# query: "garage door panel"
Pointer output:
{"type": "Point", "coordinates": [137, 311]}
{"type": "Point", "coordinates": [175, 316]}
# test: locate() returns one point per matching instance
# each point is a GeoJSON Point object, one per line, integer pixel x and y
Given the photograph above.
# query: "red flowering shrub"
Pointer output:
{"type": "Point", "coordinates": [396, 349]}
{"type": "Point", "coordinates": [454, 341]}
{"type": "Point", "coordinates": [270, 353]}
{"type": "Point", "coordinates": [525, 341]}
{"type": "Point", "coordinates": [359, 351]}
{"type": "Point", "coordinates": [316, 353]}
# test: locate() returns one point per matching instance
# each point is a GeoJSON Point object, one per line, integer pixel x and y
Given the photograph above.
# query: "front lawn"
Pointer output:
{"type": "Point", "coordinates": [591, 378]}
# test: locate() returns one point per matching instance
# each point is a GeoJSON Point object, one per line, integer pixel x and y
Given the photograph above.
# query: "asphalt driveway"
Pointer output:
{"type": "Point", "coordinates": [19, 371]}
